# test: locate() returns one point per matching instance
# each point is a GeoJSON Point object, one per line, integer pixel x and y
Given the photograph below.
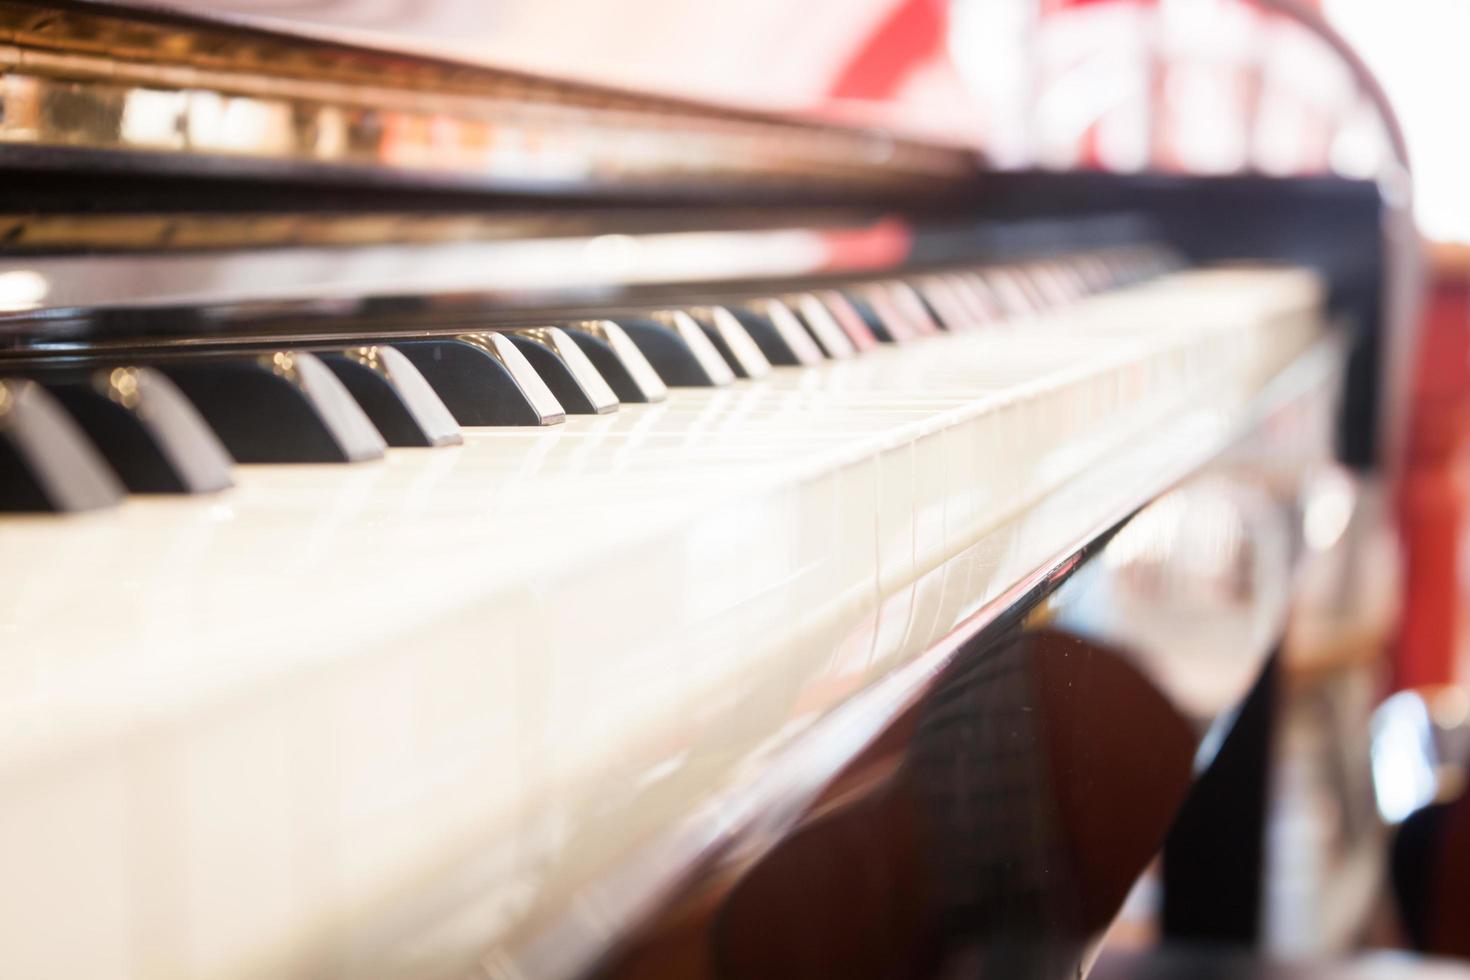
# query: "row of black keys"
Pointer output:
{"type": "Point", "coordinates": [77, 434]}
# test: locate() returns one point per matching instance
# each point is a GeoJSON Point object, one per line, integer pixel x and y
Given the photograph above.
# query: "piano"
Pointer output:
{"type": "Point", "coordinates": [460, 521]}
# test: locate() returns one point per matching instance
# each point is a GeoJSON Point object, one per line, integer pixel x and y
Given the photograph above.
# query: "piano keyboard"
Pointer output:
{"type": "Point", "coordinates": [383, 718]}
{"type": "Point", "coordinates": [149, 410]}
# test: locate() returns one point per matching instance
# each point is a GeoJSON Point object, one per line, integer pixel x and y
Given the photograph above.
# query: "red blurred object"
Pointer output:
{"type": "Point", "coordinates": [911, 34]}
{"type": "Point", "coordinates": [1433, 490]}
{"type": "Point", "coordinates": [881, 244]}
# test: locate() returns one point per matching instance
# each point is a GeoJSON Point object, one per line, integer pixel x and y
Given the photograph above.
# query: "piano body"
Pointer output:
{"type": "Point", "coordinates": [464, 523]}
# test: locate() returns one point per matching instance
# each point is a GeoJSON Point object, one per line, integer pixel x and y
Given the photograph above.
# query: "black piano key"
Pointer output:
{"type": "Point", "coordinates": [484, 380]}
{"type": "Point", "coordinates": [817, 320]}
{"type": "Point", "coordinates": [869, 314]}
{"type": "Point", "coordinates": [948, 309]}
{"type": "Point", "coordinates": [931, 309]}
{"type": "Point", "coordinates": [1066, 282]}
{"type": "Point", "coordinates": [148, 431]}
{"type": "Point", "coordinates": [619, 361]}
{"type": "Point", "coordinates": [680, 353]}
{"type": "Point", "coordinates": [1096, 274]}
{"type": "Point", "coordinates": [1032, 277]}
{"type": "Point", "coordinates": [732, 340]}
{"type": "Point", "coordinates": [984, 302]}
{"type": "Point", "coordinates": [566, 370]}
{"type": "Point", "coordinates": [46, 460]}
{"type": "Point", "coordinates": [1011, 291]}
{"type": "Point", "coordinates": [281, 407]}
{"type": "Point", "coordinates": [699, 344]}
{"type": "Point", "coordinates": [910, 305]}
{"type": "Point", "coordinates": [395, 396]}
{"type": "Point", "coordinates": [777, 333]}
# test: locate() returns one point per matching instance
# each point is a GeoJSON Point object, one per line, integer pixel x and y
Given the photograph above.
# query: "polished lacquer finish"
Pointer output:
{"type": "Point", "coordinates": [1027, 769]}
